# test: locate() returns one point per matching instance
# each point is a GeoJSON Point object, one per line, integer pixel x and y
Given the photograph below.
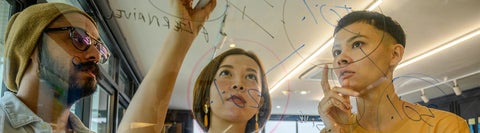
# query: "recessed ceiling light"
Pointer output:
{"type": "Point", "coordinates": [232, 45]}
{"type": "Point", "coordinates": [278, 106]}
{"type": "Point", "coordinates": [304, 92]}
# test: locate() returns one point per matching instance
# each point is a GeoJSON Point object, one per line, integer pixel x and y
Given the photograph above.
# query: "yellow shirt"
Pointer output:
{"type": "Point", "coordinates": [420, 119]}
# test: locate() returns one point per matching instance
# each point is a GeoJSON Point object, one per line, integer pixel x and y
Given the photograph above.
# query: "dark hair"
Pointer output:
{"type": "Point", "coordinates": [201, 91]}
{"type": "Point", "coordinates": [376, 19]}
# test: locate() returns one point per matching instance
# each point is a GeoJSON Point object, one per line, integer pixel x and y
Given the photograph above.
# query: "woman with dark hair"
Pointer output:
{"type": "Point", "coordinates": [367, 48]}
{"type": "Point", "coordinates": [230, 95]}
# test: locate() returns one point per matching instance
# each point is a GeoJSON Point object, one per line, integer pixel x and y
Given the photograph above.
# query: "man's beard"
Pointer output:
{"type": "Point", "coordinates": [77, 89]}
{"type": "Point", "coordinates": [68, 87]}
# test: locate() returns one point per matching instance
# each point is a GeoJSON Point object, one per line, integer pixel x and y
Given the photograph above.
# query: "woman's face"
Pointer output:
{"type": "Point", "coordinates": [358, 62]}
{"type": "Point", "coordinates": [235, 94]}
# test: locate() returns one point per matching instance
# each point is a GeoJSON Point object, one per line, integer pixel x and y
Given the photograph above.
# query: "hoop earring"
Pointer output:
{"type": "Point", "coordinates": [205, 117]}
{"type": "Point", "coordinates": [256, 122]}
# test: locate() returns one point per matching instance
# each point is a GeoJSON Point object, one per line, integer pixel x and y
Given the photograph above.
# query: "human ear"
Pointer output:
{"type": "Point", "coordinates": [397, 54]}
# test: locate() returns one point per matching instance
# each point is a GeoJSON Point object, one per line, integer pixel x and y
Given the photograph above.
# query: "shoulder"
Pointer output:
{"type": "Point", "coordinates": [77, 124]}
{"type": "Point", "coordinates": [450, 122]}
{"type": "Point", "coordinates": [443, 121]}
{"type": "Point", "coordinates": [15, 116]}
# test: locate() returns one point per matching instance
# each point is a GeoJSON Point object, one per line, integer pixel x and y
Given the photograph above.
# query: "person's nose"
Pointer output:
{"type": "Point", "coordinates": [92, 54]}
{"type": "Point", "coordinates": [238, 86]}
{"type": "Point", "coordinates": [343, 60]}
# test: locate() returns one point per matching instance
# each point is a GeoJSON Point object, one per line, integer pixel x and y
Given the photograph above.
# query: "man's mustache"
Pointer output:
{"type": "Point", "coordinates": [87, 66]}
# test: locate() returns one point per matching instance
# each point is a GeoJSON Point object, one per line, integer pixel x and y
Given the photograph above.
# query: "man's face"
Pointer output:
{"type": "Point", "coordinates": [71, 71]}
{"type": "Point", "coordinates": [362, 55]}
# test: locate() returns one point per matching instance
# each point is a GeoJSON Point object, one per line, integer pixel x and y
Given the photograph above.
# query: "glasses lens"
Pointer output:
{"type": "Point", "coordinates": [80, 39]}
{"type": "Point", "coordinates": [104, 52]}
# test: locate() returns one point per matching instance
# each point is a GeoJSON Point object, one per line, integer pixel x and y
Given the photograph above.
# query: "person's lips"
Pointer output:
{"type": "Point", "coordinates": [89, 68]}
{"type": "Point", "coordinates": [237, 100]}
{"type": "Point", "coordinates": [344, 74]}
{"type": "Point", "coordinates": [91, 73]}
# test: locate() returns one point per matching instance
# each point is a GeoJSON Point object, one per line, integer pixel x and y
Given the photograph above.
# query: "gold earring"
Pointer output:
{"type": "Point", "coordinates": [256, 122]}
{"type": "Point", "coordinates": [205, 117]}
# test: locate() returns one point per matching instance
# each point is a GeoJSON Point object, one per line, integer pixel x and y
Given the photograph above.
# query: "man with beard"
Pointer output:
{"type": "Point", "coordinates": [52, 51]}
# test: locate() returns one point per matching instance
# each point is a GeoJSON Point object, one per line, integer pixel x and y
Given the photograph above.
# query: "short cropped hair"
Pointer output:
{"type": "Point", "coordinates": [376, 19]}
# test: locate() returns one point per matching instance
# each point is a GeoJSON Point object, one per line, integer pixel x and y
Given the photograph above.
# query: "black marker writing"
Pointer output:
{"type": "Point", "coordinates": [310, 10]}
{"type": "Point", "coordinates": [251, 19]}
{"type": "Point", "coordinates": [183, 27]}
{"type": "Point", "coordinates": [138, 16]}
{"type": "Point", "coordinates": [418, 116]}
{"type": "Point", "coordinates": [323, 14]}
{"type": "Point", "coordinates": [254, 93]}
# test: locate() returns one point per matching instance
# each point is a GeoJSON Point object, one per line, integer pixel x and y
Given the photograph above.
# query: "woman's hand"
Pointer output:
{"type": "Point", "coordinates": [149, 106]}
{"type": "Point", "coordinates": [335, 107]}
{"type": "Point", "coordinates": [194, 17]}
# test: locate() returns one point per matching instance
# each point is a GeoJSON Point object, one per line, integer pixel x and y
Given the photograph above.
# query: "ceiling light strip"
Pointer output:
{"type": "Point", "coordinates": [440, 83]}
{"type": "Point", "coordinates": [443, 47]}
{"type": "Point", "coordinates": [302, 65]}
{"type": "Point", "coordinates": [374, 5]}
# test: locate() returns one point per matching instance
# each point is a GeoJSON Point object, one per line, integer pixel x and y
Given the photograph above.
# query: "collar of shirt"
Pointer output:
{"type": "Point", "coordinates": [19, 114]}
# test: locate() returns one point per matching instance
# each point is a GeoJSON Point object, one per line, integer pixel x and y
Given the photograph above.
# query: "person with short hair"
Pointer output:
{"type": "Point", "coordinates": [367, 48]}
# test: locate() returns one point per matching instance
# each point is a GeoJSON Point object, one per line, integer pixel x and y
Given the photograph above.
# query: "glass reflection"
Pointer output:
{"type": "Point", "coordinates": [99, 118]}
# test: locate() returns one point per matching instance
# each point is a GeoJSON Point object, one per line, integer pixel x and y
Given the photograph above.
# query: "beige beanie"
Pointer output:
{"type": "Point", "coordinates": [23, 32]}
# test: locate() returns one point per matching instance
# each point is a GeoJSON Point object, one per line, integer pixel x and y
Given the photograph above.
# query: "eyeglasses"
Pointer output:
{"type": "Point", "coordinates": [82, 41]}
